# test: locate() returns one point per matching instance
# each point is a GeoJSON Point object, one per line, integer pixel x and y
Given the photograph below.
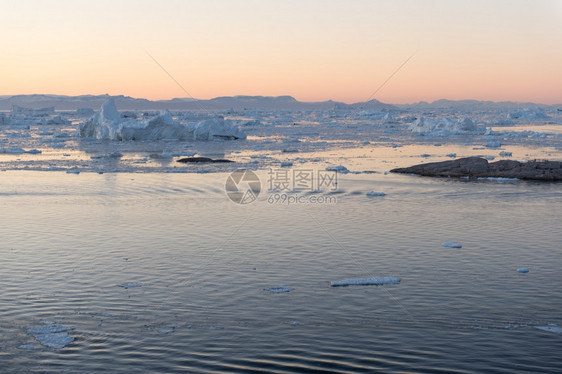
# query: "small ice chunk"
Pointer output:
{"type": "Point", "coordinates": [168, 330]}
{"type": "Point", "coordinates": [280, 289]}
{"type": "Point", "coordinates": [365, 281]}
{"type": "Point", "coordinates": [451, 245]}
{"type": "Point", "coordinates": [523, 270]}
{"type": "Point", "coordinates": [286, 164]}
{"type": "Point", "coordinates": [52, 336]}
{"type": "Point", "coordinates": [550, 328]}
{"type": "Point", "coordinates": [493, 144]}
{"type": "Point", "coordinates": [131, 285]}
{"type": "Point", "coordinates": [374, 193]}
{"type": "Point", "coordinates": [452, 155]}
{"type": "Point", "coordinates": [338, 169]}
{"type": "Point", "coordinates": [27, 346]}
{"type": "Point", "coordinates": [295, 323]}
{"type": "Point", "coordinates": [425, 155]}
{"type": "Point", "coordinates": [505, 154]}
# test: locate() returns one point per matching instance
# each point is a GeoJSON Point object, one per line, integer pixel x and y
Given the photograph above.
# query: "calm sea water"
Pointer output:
{"type": "Point", "coordinates": [69, 241]}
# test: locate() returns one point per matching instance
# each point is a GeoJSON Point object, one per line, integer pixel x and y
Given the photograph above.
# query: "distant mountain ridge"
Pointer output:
{"type": "Point", "coordinates": [289, 103]}
{"type": "Point", "coordinates": [241, 102]}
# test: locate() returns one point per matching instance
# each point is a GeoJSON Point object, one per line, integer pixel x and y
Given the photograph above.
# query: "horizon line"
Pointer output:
{"type": "Point", "coordinates": [192, 99]}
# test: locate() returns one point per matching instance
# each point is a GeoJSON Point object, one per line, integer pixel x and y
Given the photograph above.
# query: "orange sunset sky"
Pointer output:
{"type": "Point", "coordinates": [312, 50]}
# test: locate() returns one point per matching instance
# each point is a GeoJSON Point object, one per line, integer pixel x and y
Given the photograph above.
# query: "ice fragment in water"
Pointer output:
{"type": "Point", "coordinates": [365, 281]}
{"type": "Point", "coordinates": [279, 289]}
{"type": "Point", "coordinates": [52, 336]}
{"type": "Point", "coordinates": [523, 270]}
{"type": "Point", "coordinates": [451, 245]}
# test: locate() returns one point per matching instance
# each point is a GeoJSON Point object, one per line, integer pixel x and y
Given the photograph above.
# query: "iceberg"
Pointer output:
{"type": "Point", "coordinates": [445, 126]}
{"type": "Point", "coordinates": [523, 270]}
{"type": "Point", "coordinates": [528, 114]}
{"type": "Point", "coordinates": [365, 281]}
{"type": "Point", "coordinates": [108, 124]}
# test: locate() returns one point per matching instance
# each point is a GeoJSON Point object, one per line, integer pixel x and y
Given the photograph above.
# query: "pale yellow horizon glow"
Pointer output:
{"type": "Point", "coordinates": [312, 50]}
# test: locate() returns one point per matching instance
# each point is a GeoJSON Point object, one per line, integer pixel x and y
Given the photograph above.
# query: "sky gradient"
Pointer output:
{"type": "Point", "coordinates": [313, 50]}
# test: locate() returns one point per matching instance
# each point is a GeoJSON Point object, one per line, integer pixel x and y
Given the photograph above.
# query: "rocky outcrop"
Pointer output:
{"type": "Point", "coordinates": [188, 160]}
{"type": "Point", "coordinates": [476, 167]}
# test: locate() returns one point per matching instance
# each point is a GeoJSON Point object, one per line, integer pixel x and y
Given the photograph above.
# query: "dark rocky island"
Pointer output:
{"type": "Point", "coordinates": [476, 167]}
{"type": "Point", "coordinates": [202, 160]}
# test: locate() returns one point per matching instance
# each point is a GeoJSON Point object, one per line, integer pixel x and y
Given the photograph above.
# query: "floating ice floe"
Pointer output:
{"type": "Point", "coordinates": [339, 169]}
{"type": "Point", "coordinates": [131, 285]}
{"type": "Point", "coordinates": [452, 155]}
{"type": "Point", "coordinates": [286, 164]}
{"type": "Point", "coordinates": [107, 124]}
{"type": "Point", "coordinates": [27, 346]}
{"type": "Point", "coordinates": [280, 289]}
{"type": "Point", "coordinates": [505, 154]}
{"type": "Point", "coordinates": [365, 281]}
{"type": "Point", "coordinates": [523, 270]}
{"type": "Point", "coordinates": [17, 151]}
{"type": "Point", "coordinates": [499, 179]}
{"type": "Point", "coordinates": [551, 327]}
{"type": "Point", "coordinates": [374, 193]}
{"type": "Point", "coordinates": [169, 330]}
{"type": "Point", "coordinates": [445, 126]}
{"type": "Point", "coordinates": [451, 245]}
{"type": "Point", "coordinates": [493, 144]}
{"type": "Point", "coordinates": [52, 335]}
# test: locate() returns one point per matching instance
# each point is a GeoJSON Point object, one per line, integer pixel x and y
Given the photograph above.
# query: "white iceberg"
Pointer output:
{"type": "Point", "coordinates": [445, 126]}
{"type": "Point", "coordinates": [52, 335]}
{"type": "Point", "coordinates": [108, 124]}
{"type": "Point", "coordinates": [528, 114]}
{"type": "Point", "coordinates": [365, 281]}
